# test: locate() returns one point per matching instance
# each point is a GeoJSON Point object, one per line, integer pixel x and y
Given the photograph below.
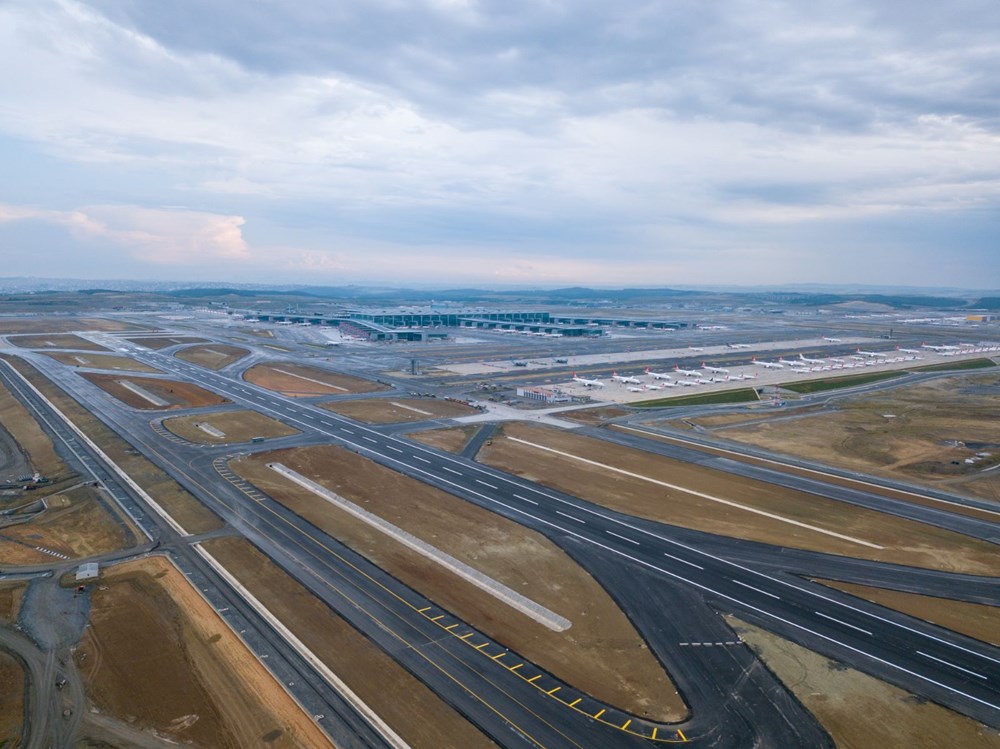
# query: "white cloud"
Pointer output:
{"type": "Point", "coordinates": [171, 237]}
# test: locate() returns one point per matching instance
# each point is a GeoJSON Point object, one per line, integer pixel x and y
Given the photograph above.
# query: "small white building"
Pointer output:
{"type": "Point", "coordinates": [87, 571]}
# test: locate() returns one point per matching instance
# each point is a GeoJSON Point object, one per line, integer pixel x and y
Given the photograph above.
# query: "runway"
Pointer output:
{"type": "Point", "coordinates": [687, 578]}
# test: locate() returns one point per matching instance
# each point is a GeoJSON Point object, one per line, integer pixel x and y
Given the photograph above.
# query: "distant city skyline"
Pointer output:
{"type": "Point", "coordinates": [456, 142]}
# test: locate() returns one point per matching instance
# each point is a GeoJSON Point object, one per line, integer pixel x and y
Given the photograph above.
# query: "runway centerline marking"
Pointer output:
{"type": "Point", "coordinates": [947, 663]}
{"type": "Point", "coordinates": [623, 538]}
{"type": "Point", "coordinates": [762, 592]}
{"type": "Point", "coordinates": [826, 616]}
{"type": "Point", "coordinates": [560, 512]}
{"type": "Point", "coordinates": [696, 493]}
{"type": "Point", "coordinates": [529, 501]}
{"type": "Point", "coordinates": [683, 561]}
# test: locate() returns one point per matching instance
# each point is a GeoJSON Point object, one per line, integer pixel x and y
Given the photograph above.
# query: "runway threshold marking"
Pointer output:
{"type": "Point", "coordinates": [695, 493]}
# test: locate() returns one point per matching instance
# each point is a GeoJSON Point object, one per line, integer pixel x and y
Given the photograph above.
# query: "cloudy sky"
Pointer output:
{"type": "Point", "coordinates": [502, 141]}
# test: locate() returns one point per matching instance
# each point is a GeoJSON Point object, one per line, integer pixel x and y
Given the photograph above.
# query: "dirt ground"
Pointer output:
{"type": "Point", "coordinates": [62, 324]}
{"type": "Point", "coordinates": [10, 601]}
{"type": "Point", "coordinates": [102, 361]}
{"type": "Point", "coordinates": [158, 342]}
{"type": "Point", "coordinates": [450, 439]}
{"type": "Point", "coordinates": [904, 541]}
{"type": "Point", "coordinates": [411, 709]}
{"type": "Point", "coordinates": [11, 701]}
{"type": "Point", "coordinates": [75, 524]}
{"type": "Point", "coordinates": [212, 356]}
{"type": "Point", "coordinates": [175, 393]}
{"type": "Point", "coordinates": [395, 410]}
{"type": "Point", "coordinates": [191, 514]}
{"type": "Point", "coordinates": [921, 433]}
{"type": "Point", "coordinates": [972, 619]}
{"type": "Point", "coordinates": [32, 440]}
{"type": "Point", "coordinates": [859, 711]}
{"type": "Point", "coordinates": [860, 483]}
{"type": "Point", "coordinates": [601, 653]}
{"type": "Point", "coordinates": [56, 341]}
{"type": "Point", "coordinates": [236, 426]}
{"type": "Point", "coordinates": [593, 416]}
{"type": "Point", "coordinates": [298, 380]}
{"type": "Point", "coordinates": [159, 657]}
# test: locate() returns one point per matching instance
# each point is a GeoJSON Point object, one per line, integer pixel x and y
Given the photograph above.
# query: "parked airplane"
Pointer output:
{"type": "Point", "coordinates": [687, 372]}
{"type": "Point", "coordinates": [811, 361]}
{"type": "Point", "coordinates": [767, 364]}
{"type": "Point", "coordinates": [801, 370]}
{"type": "Point", "coordinates": [938, 348]}
{"type": "Point", "coordinates": [738, 345]}
{"type": "Point", "coordinates": [667, 384]}
{"type": "Point", "coordinates": [687, 383]}
{"type": "Point", "coordinates": [703, 381]}
{"type": "Point", "coordinates": [658, 375]}
{"type": "Point", "coordinates": [588, 383]}
{"type": "Point", "coordinates": [625, 379]}
{"type": "Point", "coordinates": [870, 353]}
{"type": "Point", "coordinates": [831, 340]}
{"type": "Point", "coordinates": [634, 389]}
{"type": "Point", "coordinates": [716, 370]}
{"type": "Point", "coordinates": [908, 350]}
{"type": "Point", "coordinates": [696, 348]}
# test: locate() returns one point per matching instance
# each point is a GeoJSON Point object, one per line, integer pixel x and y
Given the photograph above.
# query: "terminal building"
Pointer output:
{"type": "Point", "coordinates": [425, 324]}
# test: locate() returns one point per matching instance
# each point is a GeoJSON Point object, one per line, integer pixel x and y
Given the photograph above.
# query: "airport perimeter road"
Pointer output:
{"type": "Point", "coordinates": [941, 665]}
{"type": "Point", "coordinates": [340, 720]}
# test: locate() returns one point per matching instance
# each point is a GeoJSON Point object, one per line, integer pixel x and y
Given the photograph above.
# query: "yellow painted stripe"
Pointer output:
{"type": "Point", "coordinates": [425, 608]}
{"type": "Point", "coordinates": [654, 733]}
{"type": "Point", "coordinates": [681, 734]}
{"type": "Point", "coordinates": [534, 678]}
{"type": "Point", "coordinates": [553, 691]}
{"type": "Point", "coordinates": [466, 636]}
{"type": "Point", "coordinates": [451, 626]}
{"type": "Point", "coordinates": [517, 667]}
{"type": "Point", "coordinates": [435, 618]}
{"type": "Point", "coordinates": [626, 724]}
{"type": "Point", "coordinates": [498, 656]}
{"type": "Point", "coordinates": [599, 713]}
{"type": "Point", "coordinates": [576, 701]}
{"type": "Point", "coordinates": [480, 647]}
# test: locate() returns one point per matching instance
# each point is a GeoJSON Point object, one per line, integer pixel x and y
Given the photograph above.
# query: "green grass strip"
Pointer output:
{"type": "Point", "coordinates": [834, 383]}
{"type": "Point", "coordinates": [743, 395]}
{"type": "Point", "coordinates": [967, 364]}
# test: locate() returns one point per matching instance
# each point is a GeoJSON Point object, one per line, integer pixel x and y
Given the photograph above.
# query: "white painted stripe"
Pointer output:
{"type": "Point", "coordinates": [559, 512]}
{"type": "Point", "coordinates": [450, 470]}
{"type": "Point", "coordinates": [529, 501]}
{"type": "Point", "coordinates": [683, 561]}
{"type": "Point", "coordinates": [802, 468]}
{"type": "Point", "coordinates": [329, 676]}
{"type": "Point", "coordinates": [695, 493]}
{"type": "Point", "coordinates": [762, 592]}
{"type": "Point", "coordinates": [491, 486]}
{"type": "Point", "coordinates": [825, 616]}
{"type": "Point", "coordinates": [939, 660]}
{"type": "Point", "coordinates": [623, 538]}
